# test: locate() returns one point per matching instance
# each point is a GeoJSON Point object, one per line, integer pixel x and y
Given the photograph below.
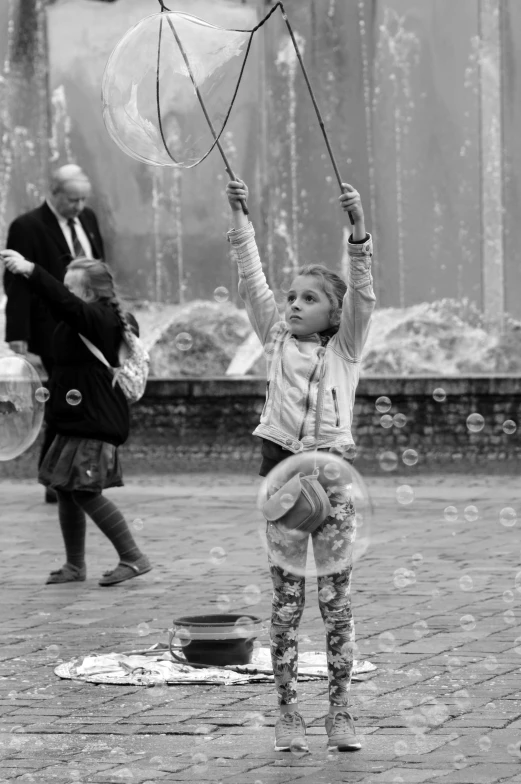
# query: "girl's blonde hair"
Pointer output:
{"type": "Point", "coordinates": [98, 277]}
{"type": "Point", "coordinates": [334, 287]}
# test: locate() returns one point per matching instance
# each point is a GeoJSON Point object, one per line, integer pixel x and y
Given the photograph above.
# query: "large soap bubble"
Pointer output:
{"type": "Point", "coordinates": [21, 412]}
{"type": "Point", "coordinates": [351, 510]}
{"type": "Point", "coordinates": [150, 106]}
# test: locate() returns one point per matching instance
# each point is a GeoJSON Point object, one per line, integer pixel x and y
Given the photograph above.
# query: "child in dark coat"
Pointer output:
{"type": "Point", "coordinates": [89, 414]}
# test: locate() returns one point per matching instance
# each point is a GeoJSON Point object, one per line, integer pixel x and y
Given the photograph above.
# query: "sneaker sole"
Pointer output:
{"type": "Point", "coordinates": [341, 748]}
{"type": "Point", "coordinates": [305, 749]}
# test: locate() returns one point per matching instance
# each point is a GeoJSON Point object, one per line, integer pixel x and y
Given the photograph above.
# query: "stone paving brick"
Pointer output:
{"type": "Point", "coordinates": [420, 670]}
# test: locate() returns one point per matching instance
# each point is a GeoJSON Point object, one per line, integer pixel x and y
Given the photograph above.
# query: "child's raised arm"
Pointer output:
{"type": "Point", "coordinates": [359, 300]}
{"type": "Point", "coordinates": [253, 288]}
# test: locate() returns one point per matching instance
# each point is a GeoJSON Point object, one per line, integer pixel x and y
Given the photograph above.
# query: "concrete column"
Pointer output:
{"type": "Point", "coordinates": [491, 162]}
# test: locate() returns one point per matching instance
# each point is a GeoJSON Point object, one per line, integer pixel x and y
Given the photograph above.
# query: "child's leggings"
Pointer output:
{"type": "Point", "coordinates": [72, 507]}
{"type": "Point", "coordinates": [332, 547]}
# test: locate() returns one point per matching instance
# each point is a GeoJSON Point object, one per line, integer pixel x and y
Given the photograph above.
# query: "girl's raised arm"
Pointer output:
{"type": "Point", "coordinates": [253, 287]}
{"type": "Point", "coordinates": [359, 300]}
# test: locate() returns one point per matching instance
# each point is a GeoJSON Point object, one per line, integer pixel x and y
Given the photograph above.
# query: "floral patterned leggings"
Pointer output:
{"type": "Point", "coordinates": [287, 551]}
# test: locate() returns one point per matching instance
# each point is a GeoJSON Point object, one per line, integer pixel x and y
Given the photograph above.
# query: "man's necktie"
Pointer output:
{"type": "Point", "coordinates": [76, 244]}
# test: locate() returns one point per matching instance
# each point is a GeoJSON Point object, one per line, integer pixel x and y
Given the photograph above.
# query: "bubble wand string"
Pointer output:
{"type": "Point", "coordinates": [315, 105]}
{"type": "Point", "coordinates": [227, 166]}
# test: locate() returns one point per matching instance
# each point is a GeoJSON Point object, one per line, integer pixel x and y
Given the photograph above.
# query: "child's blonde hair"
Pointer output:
{"type": "Point", "coordinates": [98, 277]}
{"type": "Point", "coordinates": [334, 287]}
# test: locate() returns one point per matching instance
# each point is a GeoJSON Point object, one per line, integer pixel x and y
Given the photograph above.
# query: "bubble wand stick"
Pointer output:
{"type": "Point", "coordinates": [218, 144]}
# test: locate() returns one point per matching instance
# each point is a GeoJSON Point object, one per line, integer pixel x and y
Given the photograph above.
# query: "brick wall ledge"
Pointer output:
{"type": "Point", "coordinates": [369, 386]}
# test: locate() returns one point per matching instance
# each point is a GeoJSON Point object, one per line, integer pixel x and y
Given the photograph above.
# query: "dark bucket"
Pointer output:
{"type": "Point", "coordinates": [216, 640]}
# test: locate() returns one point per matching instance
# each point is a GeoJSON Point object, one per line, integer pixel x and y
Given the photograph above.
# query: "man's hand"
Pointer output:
{"type": "Point", "coordinates": [236, 191]}
{"type": "Point", "coordinates": [19, 347]}
{"type": "Point", "coordinates": [16, 263]}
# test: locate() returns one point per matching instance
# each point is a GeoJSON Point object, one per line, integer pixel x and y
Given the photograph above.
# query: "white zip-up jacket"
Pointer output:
{"type": "Point", "coordinates": [294, 377]}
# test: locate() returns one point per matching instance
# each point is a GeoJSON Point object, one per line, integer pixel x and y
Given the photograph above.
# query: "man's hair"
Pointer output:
{"type": "Point", "coordinates": [68, 173]}
{"type": "Point", "coordinates": [334, 286]}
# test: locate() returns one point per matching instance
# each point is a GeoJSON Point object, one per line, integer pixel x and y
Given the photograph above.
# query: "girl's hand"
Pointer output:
{"type": "Point", "coordinates": [236, 190]}
{"type": "Point", "coordinates": [16, 263]}
{"type": "Point", "coordinates": [350, 201]}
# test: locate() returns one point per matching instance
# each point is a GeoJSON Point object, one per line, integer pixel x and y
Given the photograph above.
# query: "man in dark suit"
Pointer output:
{"type": "Point", "coordinates": [52, 235]}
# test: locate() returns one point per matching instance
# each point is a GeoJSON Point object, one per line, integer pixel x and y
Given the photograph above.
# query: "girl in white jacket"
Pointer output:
{"type": "Point", "coordinates": [313, 370]}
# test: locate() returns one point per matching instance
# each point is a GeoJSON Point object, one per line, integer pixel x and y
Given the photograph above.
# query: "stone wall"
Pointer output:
{"type": "Point", "coordinates": [205, 424]}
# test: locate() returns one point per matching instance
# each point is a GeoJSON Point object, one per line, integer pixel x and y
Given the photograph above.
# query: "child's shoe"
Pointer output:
{"type": "Point", "coordinates": [68, 574]}
{"type": "Point", "coordinates": [341, 733]}
{"type": "Point", "coordinates": [290, 733]}
{"type": "Point", "coordinates": [126, 570]}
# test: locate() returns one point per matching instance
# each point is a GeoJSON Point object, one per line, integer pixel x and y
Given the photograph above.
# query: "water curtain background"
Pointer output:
{"type": "Point", "coordinates": [422, 102]}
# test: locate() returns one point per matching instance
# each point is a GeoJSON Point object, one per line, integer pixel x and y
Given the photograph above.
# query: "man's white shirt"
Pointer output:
{"type": "Point", "coordinates": [80, 232]}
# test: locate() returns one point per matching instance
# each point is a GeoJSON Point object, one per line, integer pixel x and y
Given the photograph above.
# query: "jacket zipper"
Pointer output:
{"type": "Point", "coordinates": [337, 410]}
{"type": "Point", "coordinates": [267, 398]}
{"type": "Point", "coordinates": [308, 401]}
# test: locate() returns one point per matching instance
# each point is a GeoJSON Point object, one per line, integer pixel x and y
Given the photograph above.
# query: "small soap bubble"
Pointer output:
{"type": "Point", "coordinates": [410, 457]}
{"type": "Point", "coordinates": [223, 603]}
{"type": "Point", "coordinates": [485, 743]}
{"type": "Point", "coordinates": [217, 555]}
{"type": "Point", "coordinates": [467, 623]}
{"type": "Point", "coordinates": [517, 643]}
{"type": "Point", "coordinates": [252, 594]}
{"type": "Point", "coordinates": [471, 513]}
{"type": "Point", "coordinates": [221, 294]}
{"type": "Point", "coordinates": [509, 427]}
{"type": "Point", "coordinates": [400, 748]}
{"type": "Point", "coordinates": [183, 636]}
{"type": "Point", "coordinates": [293, 395]}
{"type": "Point", "coordinates": [383, 405]}
{"type": "Point", "coordinates": [388, 461]}
{"type": "Point", "coordinates": [490, 663]}
{"type": "Point", "coordinates": [508, 596]}
{"type": "Point", "coordinates": [253, 719]}
{"type": "Point", "coordinates": [17, 729]}
{"type": "Point", "coordinates": [244, 627]}
{"type": "Point", "coordinates": [331, 471]}
{"type": "Point", "coordinates": [73, 397]}
{"type": "Point", "coordinates": [298, 747]}
{"type": "Point", "coordinates": [399, 420]}
{"type": "Point", "coordinates": [42, 395]}
{"type": "Point", "coordinates": [439, 395]}
{"type": "Point", "coordinates": [404, 577]}
{"type": "Point", "coordinates": [490, 706]}
{"type": "Point", "coordinates": [138, 524]}
{"type": "Point", "coordinates": [509, 616]}
{"type": "Point", "coordinates": [53, 651]}
{"type": "Point", "coordinates": [508, 517]}
{"type": "Point", "coordinates": [466, 583]}
{"type": "Point", "coordinates": [421, 628]}
{"type": "Point", "coordinates": [387, 642]}
{"type": "Point", "coordinates": [351, 650]}
{"type": "Point", "coordinates": [514, 750]}
{"type": "Point", "coordinates": [221, 762]}
{"type": "Point", "coordinates": [143, 629]}
{"type": "Point", "coordinates": [475, 423]}
{"type": "Point", "coordinates": [518, 582]}
{"type": "Point", "coordinates": [287, 501]}
{"type": "Point", "coordinates": [450, 513]}
{"type": "Point", "coordinates": [386, 421]}
{"type": "Point", "coordinates": [404, 495]}
{"type": "Point", "coordinates": [460, 761]}
{"type": "Point", "coordinates": [326, 594]}
{"type": "Point", "coordinates": [184, 341]}
{"type": "Point", "coordinates": [462, 699]}
{"type": "Point", "coordinates": [200, 762]}
{"type": "Point", "coordinates": [417, 559]}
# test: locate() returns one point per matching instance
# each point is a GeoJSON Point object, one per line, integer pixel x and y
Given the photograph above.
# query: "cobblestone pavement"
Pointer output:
{"type": "Point", "coordinates": [443, 706]}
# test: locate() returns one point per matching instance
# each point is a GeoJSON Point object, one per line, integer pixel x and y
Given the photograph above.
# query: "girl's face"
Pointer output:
{"type": "Point", "coordinates": [74, 282]}
{"type": "Point", "coordinates": [308, 308]}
